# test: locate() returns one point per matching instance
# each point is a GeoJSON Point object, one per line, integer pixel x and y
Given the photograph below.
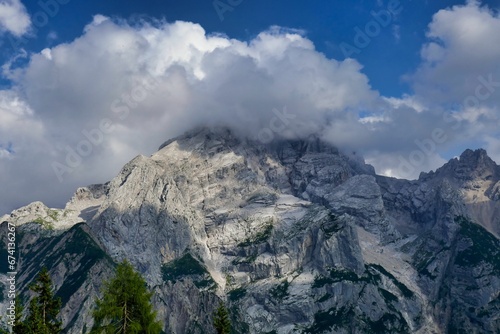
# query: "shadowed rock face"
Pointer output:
{"type": "Point", "coordinates": [296, 236]}
{"type": "Point", "coordinates": [477, 178]}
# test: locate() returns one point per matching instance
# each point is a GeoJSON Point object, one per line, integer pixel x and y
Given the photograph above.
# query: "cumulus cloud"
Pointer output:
{"type": "Point", "coordinates": [125, 88]}
{"type": "Point", "coordinates": [458, 81]}
{"type": "Point", "coordinates": [456, 93]}
{"type": "Point", "coordinates": [22, 145]}
{"type": "Point", "coordinates": [14, 18]}
{"type": "Point", "coordinates": [464, 46]}
{"type": "Point", "coordinates": [140, 85]}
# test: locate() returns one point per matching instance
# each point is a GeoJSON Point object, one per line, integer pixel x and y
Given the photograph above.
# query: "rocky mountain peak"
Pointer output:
{"type": "Point", "coordinates": [477, 177]}
{"type": "Point", "coordinates": [295, 235]}
{"type": "Point", "coordinates": [476, 158]}
{"type": "Point", "coordinates": [470, 166]}
{"type": "Point", "coordinates": [209, 141]}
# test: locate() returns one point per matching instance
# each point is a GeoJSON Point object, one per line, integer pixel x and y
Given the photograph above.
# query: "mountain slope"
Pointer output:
{"type": "Point", "coordinates": [298, 236]}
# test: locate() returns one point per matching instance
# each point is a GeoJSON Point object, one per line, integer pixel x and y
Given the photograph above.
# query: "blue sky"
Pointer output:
{"type": "Point", "coordinates": [87, 85]}
{"type": "Point", "coordinates": [386, 59]}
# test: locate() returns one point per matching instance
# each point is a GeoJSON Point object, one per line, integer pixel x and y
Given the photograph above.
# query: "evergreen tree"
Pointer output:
{"type": "Point", "coordinates": [43, 308]}
{"type": "Point", "coordinates": [125, 307]}
{"type": "Point", "coordinates": [222, 324]}
{"type": "Point", "coordinates": [19, 327]}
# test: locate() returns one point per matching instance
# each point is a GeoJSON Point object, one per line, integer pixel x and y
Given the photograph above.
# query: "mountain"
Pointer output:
{"type": "Point", "coordinates": [296, 235]}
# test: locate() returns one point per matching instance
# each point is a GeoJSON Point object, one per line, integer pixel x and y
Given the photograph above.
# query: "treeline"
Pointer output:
{"type": "Point", "coordinates": [124, 308]}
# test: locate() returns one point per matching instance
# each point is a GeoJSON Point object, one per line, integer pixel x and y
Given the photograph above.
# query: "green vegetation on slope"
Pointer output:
{"type": "Point", "coordinates": [332, 318]}
{"type": "Point", "coordinates": [280, 291]}
{"type": "Point", "coordinates": [73, 245]}
{"type": "Point", "coordinates": [188, 266]}
{"type": "Point", "coordinates": [236, 294]}
{"type": "Point", "coordinates": [484, 248]}
{"type": "Point", "coordinates": [260, 237]}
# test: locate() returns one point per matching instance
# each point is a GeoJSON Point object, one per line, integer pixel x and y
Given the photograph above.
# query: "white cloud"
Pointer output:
{"type": "Point", "coordinates": [24, 152]}
{"type": "Point", "coordinates": [406, 101]}
{"type": "Point", "coordinates": [457, 93]}
{"type": "Point", "coordinates": [168, 78]}
{"type": "Point", "coordinates": [154, 81]}
{"type": "Point", "coordinates": [493, 147]}
{"type": "Point", "coordinates": [464, 45]}
{"type": "Point", "coordinates": [397, 164]}
{"type": "Point", "coordinates": [13, 17]}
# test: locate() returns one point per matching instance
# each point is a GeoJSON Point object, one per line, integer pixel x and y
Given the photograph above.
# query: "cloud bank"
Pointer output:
{"type": "Point", "coordinates": [125, 88]}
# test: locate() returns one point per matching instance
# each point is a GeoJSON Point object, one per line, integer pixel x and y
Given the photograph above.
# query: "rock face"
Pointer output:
{"type": "Point", "coordinates": [295, 236]}
{"type": "Point", "coordinates": [478, 179]}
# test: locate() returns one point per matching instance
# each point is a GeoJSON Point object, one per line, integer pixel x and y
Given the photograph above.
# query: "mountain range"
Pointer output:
{"type": "Point", "coordinates": [296, 236]}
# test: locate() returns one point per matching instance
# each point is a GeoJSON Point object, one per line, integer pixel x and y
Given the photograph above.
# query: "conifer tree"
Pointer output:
{"type": "Point", "coordinates": [222, 324]}
{"type": "Point", "coordinates": [43, 308]}
{"type": "Point", "coordinates": [19, 327]}
{"type": "Point", "coordinates": [125, 306]}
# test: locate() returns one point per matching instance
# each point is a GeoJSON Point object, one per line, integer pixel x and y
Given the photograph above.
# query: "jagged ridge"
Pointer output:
{"type": "Point", "coordinates": [297, 235]}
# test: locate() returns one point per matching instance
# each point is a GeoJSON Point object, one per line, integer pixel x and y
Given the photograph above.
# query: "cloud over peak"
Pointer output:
{"type": "Point", "coordinates": [82, 109]}
{"type": "Point", "coordinates": [142, 84]}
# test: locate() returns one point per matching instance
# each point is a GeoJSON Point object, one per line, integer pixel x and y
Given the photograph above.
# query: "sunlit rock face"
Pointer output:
{"type": "Point", "coordinates": [295, 236]}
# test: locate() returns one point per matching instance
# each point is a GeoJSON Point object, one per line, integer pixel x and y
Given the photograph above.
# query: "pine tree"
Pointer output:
{"type": "Point", "coordinates": [222, 324]}
{"type": "Point", "coordinates": [43, 308]}
{"type": "Point", "coordinates": [125, 307]}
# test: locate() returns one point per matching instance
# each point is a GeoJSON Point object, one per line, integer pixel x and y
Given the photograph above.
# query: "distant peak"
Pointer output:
{"type": "Point", "coordinates": [476, 155]}
{"type": "Point", "coordinates": [471, 164]}
{"type": "Point", "coordinates": [477, 159]}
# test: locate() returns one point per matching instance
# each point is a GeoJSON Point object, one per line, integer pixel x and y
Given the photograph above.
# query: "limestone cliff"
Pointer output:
{"type": "Point", "coordinates": [296, 236]}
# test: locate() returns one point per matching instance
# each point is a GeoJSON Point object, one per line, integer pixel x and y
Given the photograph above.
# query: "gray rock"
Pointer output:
{"type": "Point", "coordinates": [296, 236]}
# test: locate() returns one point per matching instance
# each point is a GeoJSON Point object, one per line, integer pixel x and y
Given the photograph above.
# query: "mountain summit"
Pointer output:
{"type": "Point", "coordinates": [471, 165]}
{"type": "Point", "coordinates": [296, 236]}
